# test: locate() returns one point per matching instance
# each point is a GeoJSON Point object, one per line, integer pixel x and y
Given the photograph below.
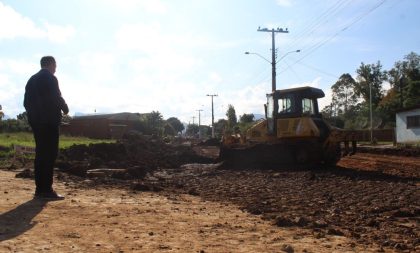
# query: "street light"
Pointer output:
{"type": "Point", "coordinates": [273, 65]}
{"type": "Point", "coordinates": [199, 123]}
{"type": "Point", "coordinates": [294, 51]}
{"type": "Point", "coordinates": [262, 57]}
{"type": "Point", "coordinates": [212, 114]}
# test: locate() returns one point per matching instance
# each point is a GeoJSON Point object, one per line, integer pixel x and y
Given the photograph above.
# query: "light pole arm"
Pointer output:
{"type": "Point", "coordinates": [262, 57]}
{"type": "Point", "coordinates": [295, 51]}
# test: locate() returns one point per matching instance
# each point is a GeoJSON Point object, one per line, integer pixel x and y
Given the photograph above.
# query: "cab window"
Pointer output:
{"type": "Point", "coordinates": [270, 107]}
{"type": "Point", "coordinates": [285, 105]}
{"type": "Point", "coordinates": [308, 106]}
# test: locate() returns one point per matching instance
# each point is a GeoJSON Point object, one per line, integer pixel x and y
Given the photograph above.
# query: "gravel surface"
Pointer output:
{"type": "Point", "coordinates": [371, 197]}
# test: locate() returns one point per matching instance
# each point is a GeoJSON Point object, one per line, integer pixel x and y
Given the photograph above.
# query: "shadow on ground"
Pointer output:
{"type": "Point", "coordinates": [19, 220]}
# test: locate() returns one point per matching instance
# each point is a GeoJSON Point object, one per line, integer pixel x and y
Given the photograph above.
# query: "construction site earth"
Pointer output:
{"type": "Point", "coordinates": [371, 198]}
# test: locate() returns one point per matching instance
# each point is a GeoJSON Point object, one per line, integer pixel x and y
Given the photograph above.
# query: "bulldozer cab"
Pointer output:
{"type": "Point", "coordinates": [292, 103]}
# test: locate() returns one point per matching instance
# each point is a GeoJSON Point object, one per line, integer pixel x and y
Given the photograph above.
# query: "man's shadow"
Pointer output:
{"type": "Point", "coordinates": [19, 220]}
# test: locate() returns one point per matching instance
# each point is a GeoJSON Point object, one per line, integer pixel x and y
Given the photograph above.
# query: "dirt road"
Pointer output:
{"type": "Point", "coordinates": [368, 203]}
{"type": "Point", "coordinates": [115, 220]}
{"type": "Point", "coordinates": [373, 199]}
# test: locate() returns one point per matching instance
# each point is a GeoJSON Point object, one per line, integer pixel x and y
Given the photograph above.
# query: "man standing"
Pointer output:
{"type": "Point", "coordinates": [43, 103]}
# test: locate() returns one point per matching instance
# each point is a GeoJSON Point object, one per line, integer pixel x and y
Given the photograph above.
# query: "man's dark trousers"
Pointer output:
{"type": "Point", "coordinates": [46, 140]}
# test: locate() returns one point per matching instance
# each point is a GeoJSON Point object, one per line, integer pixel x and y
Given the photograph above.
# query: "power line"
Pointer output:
{"type": "Point", "coordinates": [322, 19]}
{"type": "Point", "coordinates": [318, 45]}
{"type": "Point", "coordinates": [294, 72]}
{"type": "Point", "coordinates": [317, 69]}
{"type": "Point", "coordinates": [212, 113]}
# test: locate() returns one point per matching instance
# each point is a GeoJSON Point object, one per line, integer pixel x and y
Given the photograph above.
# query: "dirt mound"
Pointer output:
{"type": "Point", "coordinates": [136, 154]}
{"type": "Point", "coordinates": [396, 151]}
{"type": "Point", "coordinates": [210, 142]}
{"type": "Point", "coordinates": [368, 207]}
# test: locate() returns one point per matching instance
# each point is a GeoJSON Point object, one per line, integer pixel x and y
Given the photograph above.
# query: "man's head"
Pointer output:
{"type": "Point", "coordinates": [48, 62]}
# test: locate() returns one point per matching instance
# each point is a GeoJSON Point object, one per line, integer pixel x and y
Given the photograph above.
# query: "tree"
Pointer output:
{"type": "Point", "coordinates": [1, 113]}
{"type": "Point", "coordinates": [413, 94]}
{"type": "Point", "coordinates": [411, 70]}
{"type": "Point", "coordinates": [176, 124]}
{"type": "Point", "coordinates": [329, 114]}
{"type": "Point", "coordinates": [389, 105]}
{"type": "Point", "coordinates": [153, 123]}
{"type": "Point", "coordinates": [370, 76]}
{"type": "Point", "coordinates": [397, 81]}
{"type": "Point", "coordinates": [220, 126]}
{"type": "Point", "coordinates": [404, 79]}
{"type": "Point", "coordinates": [22, 116]}
{"type": "Point", "coordinates": [205, 131]}
{"type": "Point", "coordinates": [23, 122]}
{"type": "Point", "coordinates": [168, 129]}
{"type": "Point", "coordinates": [231, 116]}
{"type": "Point", "coordinates": [246, 118]}
{"type": "Point", "coordinates": [343, 93]}
{"type": "Point", "coordinates": [192, 130]}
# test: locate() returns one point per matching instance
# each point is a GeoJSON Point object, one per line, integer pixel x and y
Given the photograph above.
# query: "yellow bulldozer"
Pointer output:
{"type": "Point", "coordinates": [292, 133]}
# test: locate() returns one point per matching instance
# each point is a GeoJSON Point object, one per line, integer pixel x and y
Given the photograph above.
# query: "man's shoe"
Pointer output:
{"type": "Point", "coordinates": [49, 196]}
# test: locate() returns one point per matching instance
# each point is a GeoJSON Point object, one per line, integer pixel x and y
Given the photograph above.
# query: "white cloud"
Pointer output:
{"type": "Point", "coordinates": [215, 77]}
{"type": "Point", "coordinates": [145, 38]}
{"type": "Point", "coordinates": [98, 66]}
{"type": "Point", "coordinates": [284, 3]}
{"type": "Point", "coordinates": [154, 6]}
{"type": "Point", "coordinates": [19, 67]}
{"type": "Point", "coordinates": [314, 83]}
{"type": "Point", "coordinates": [11, 97]}
{"type": "Point", "coordinates": [126, 6]}
{"type": "Point", "coordinates": [59, 34]}
{"type": "Point", "coordinates": [249, 99]}
{"type": "Point", "coordinates": [325, 101]}
{"type": "Point", "coordinates": [14, 25]}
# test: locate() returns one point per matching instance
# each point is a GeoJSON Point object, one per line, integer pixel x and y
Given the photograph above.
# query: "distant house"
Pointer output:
{"type": "Point", "coordinates": [408, 125]}
{"type": "Point", "coordinates": [102, 126]}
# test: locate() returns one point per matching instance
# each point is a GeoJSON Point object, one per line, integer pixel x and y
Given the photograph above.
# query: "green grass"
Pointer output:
{"type": "Point", "coordinates": [24, 139]}
{"type": "Point", "coordinates": [27, 139]}
{"type": "Point", "coordinates": [67, 141]}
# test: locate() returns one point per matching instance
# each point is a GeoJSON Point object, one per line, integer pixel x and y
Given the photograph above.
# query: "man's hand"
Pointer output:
{"type": "Point", "coordinates": [65, 109]}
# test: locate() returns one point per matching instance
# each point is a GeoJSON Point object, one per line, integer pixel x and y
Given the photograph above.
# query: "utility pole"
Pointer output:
{"type": "Point", "coordinates": [199, 123]}
{"type": "Point", "coordinates": [273, 52]}
{"type": "Point", "coordinates": [401, 92]}
{"type": "Point", "coordinates": [193, 117]}
{"type": "Point", "coordinates": [212, 114]}
{"type": "Point", "coordinates": [370, 106]}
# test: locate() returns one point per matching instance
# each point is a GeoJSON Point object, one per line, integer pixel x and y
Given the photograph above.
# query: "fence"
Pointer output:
{"type": "Point", "coordinates": [21, 151]}
{"type": "Point", "coordinates": [387, 135]}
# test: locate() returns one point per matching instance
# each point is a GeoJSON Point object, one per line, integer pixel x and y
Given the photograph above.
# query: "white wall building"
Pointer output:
{"type": "Point", "coordinates": [408, 125]}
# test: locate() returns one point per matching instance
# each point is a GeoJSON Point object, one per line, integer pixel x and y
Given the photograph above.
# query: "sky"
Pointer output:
{"type": "Point", "coordinates": [168, 55]}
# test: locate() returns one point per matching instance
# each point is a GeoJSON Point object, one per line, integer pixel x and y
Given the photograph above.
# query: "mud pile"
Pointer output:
{"type": "Point", "coordinates": [372, 207]}
{"type": "Point", "coordinates": [396, 151]}
{"type": "Point", "coordinates": [131, 157]}
{"type": "Point", "coordinates": [371, 198]}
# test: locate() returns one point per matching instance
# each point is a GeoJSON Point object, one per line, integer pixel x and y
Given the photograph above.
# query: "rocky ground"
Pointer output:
{"type": "Point", "coordinates": [371, 199]}
{"type": "Point", "coordinates": [368, 206]}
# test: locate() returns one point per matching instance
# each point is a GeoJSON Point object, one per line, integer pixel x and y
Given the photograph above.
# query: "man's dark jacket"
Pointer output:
{"type": "Point", "coordinates": [43, 101]}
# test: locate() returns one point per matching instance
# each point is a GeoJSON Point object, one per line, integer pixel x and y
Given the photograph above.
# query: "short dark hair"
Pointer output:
{"type": "Point", "coordinates": [47, 61]}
